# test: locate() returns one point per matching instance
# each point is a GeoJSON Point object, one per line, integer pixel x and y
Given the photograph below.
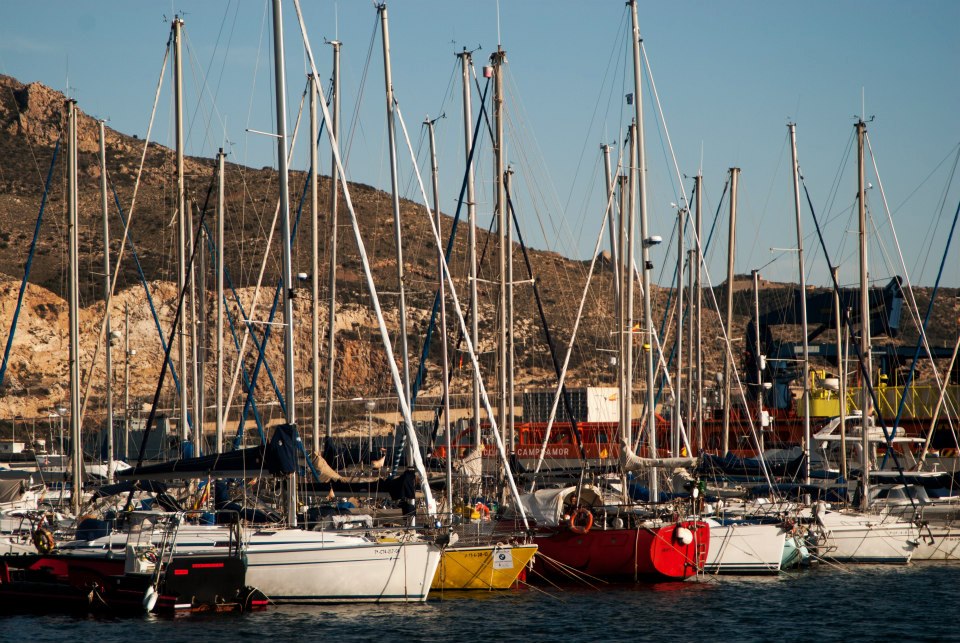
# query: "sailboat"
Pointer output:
{"type": "Point", "coordinates": [286, 562]}
{"type": "Point", "coordinates": [857, 536]}
{"type": "Point", "coordinates": [583, 529]}
{"type": "Point", "coordinates": [480, 562]}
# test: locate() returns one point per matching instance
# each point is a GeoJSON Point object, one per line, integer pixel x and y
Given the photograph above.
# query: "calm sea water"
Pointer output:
{"type": "Point", "coordinates": [918, 602]}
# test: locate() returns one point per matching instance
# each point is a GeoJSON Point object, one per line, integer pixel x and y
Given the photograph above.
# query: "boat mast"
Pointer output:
{"type": "Point", "coordinates": [497, 59]}
{"type": "Point", "coordinates": [691, 354]}
{"type": "Point", "coordinates": [646, 241]}
{"type": "Point", "coordinates": [466, 60]}
{"type": "Point", "coordinates": [511, 417]}
{"type": "Point", "coordinates": [623, 331]}
{"type": "Point", "coordinates": [731, 250]}
{"type": "Point", "coordinates": [611, 220]}
{"type": "Point", "coordinates": [842, 376]}
{"type": "Point", "coordinates": [201, 334]}
{"type": "Point", "coordinates": [803, 306]}
{"type": "Point", "coordinates": [758, 358]}
{"type": "Point", "coordinates": [126, 380]}
{"type": "Point", "coordinates": [332, 275]}
{"type": "Point", "coordinates": [445, 364]}
{"type": "Point", "coordinates": [395, 195]}
{"type": "Point", "coordinates": [281, 107]}
{"type": "Point", "coordinates": [76, 470]}
{"type": "Point", "coordinates": [699, 308]}
{"type": "Point", "coordinates": [314, 275]}
{"type": "Point", "coordinates": [866, 361]}
{"type": "Point", "coordinates": [197, 385]}
{"type": "Point", "coordinates": [221, 208]}
{"type": "Point", "coordinates": [677, 396]}
{"type": "Point", "coordinates": [629, 278]}
{"type": "Point", "coordinates": [181, 222]}
{"type": "Point", "coordinates": [108, 369]}
{"type": "Point", "coordinates": [375, 299]}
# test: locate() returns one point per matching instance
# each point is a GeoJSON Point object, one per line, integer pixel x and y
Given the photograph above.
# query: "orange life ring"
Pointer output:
{"type": "Point", "coordinates": [43, 540]}
{"type": "Point", "coordinates": [581, 521]}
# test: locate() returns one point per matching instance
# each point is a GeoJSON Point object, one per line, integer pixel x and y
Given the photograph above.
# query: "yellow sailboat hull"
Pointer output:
{"type": "Point", "coordinates": [482, 566]}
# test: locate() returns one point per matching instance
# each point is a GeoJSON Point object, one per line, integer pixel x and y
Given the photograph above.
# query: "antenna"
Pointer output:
{"type": "Point", "coordinates": [336, 20]}
{"type": "Point", "coordinates": [499, 40]}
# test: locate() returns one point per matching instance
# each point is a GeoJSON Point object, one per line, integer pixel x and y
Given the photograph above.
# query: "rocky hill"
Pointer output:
{"type": "Point", "coordinates": [31, 120]}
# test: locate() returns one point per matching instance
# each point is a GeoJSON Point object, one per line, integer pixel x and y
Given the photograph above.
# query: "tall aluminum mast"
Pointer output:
{"type": "Point", "coordinates": [314, 274]}
{"type": "Point", "coordinates": [803, 304]}
{"type": "Point", "coordinates": [332, 280]}
{"type": "Point", "coordinates": [76, 444]}
{"type": "Point", "coordinates": [108, 369]}
{"type": "Point", "coordinates": [691, 342]}
{"type": "Point", "coordinates": [221, 209]}
{"type": "Point", "coordinates": [728, 322]}
{"type": "Point", "coordinates": [287, 276]}
{"type": "Point", "coordinates": [444, 358]}
{"type": "Point", "coordinates": [866, 359]}
{"type": "Point", "coordinates": [646, 241]}
{"type": "Point", "coordinates": [194, 340]}
{"type": "Point", "coordinates": [181, 223]}
{"type": "Point", "coordinates": [699, 308]}
{"type": "Point", "coordinates": [611, 220]}
{"type": "Point", "coordinates": [395, 195]}
{"type": "Point", "coordinates": [497, 59]}
{"type": "Point", "coordinates": [678, 396]}
{"type": "Point", "coordinates": [465, 63]}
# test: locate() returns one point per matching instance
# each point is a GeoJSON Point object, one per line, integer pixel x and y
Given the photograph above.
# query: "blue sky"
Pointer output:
{"type": "Point", "coordinates": [729, 77]}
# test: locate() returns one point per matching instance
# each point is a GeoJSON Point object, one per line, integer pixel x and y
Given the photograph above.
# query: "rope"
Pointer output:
{"type": "Point", "coordinates": [176, 320]}
{"type": "Point", "coordinates": [445, 269]}
{"type": "Point", "coordinates": [922, 340]}
{"type": "Point", "coordinates": [262, 348]}
{"type": "Point", "coordinates": [263, 266]}
{"type": "Point", "coordinates": [126, 232]}
{"type": "Point", "coordinates": [29, 264]}
{"type": "Point", "coordinates": [422, 369]}
{"type": "Point", "coordinates": [546, 328]}
{"type": "Point", "coordinates": [576, 327]}
{"type": "Point", "coordinates": [232, 324]}
{"type": "Point", "coordinates": [866, 376]}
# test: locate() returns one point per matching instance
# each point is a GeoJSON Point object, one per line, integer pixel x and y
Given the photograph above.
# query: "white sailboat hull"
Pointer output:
{"type": "Point", "coordinates": [300, 566]}
{"type": "Point", "coordinates": [291, 567]}
{"type": "Point", "coordinates": [865, 538]}
{"type": "Point", "coordinates": [942, 542]}
{"type": "Point", "coordinates": [744, 549]}
{"type": "Point", "coordinates": [14, 544]}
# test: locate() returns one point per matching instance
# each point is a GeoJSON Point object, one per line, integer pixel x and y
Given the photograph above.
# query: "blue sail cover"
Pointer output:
{"type": "Point", "coordinates": [282, 453]}
{"type": "Point", "coordinates": [278, 458]}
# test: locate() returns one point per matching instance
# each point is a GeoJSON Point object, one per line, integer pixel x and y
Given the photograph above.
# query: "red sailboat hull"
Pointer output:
{"type": "Point", "coordinates": [652, 553]}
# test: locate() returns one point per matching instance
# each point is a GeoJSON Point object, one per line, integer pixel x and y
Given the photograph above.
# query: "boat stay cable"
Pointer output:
{"type": "Point", "coordinates": [463, 327]}
{"type": "Point", "coordinates": [123, 243]}
{"type": "Point", "coordinates": [431, 505]}
{"type": "Point", "coordinates": [576, 327]}
{"type": "Point", "coordinates": [29, 264]}
{"type": "Point", "coordinates": [866, 376]}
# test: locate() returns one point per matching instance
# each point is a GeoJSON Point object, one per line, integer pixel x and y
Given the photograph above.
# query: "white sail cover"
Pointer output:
{"type": "Point", "coordinates": [548, 506]}
{"type": "Point", "coordinates": [470, 466]}
{"type": "Point", "coordinates": [630, 461]}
